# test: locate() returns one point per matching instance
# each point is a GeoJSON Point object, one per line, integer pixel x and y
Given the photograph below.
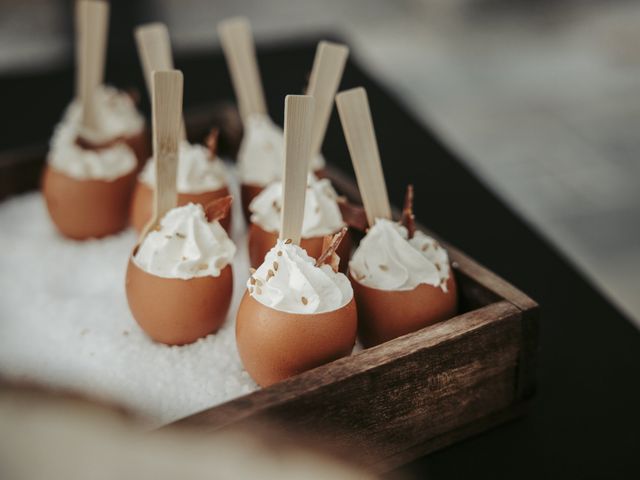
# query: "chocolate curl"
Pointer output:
{"type": "Point", "coordinates": [408, 218]}
{"type": "Point", "coordinates": [353, 215]}
{"type": "Point", "coordinates": [219, 208]}
{"type": "Point", "coordinates": [329, 247]}
{"type": "Point", "coordinates": [212, 141]}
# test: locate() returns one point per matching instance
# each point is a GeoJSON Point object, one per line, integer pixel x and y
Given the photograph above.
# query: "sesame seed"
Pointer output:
{"type": "Point", "coordinates": [180, 235]}
{"type": "Point", "coordinates": [279, 253]}
{"type": "Point", "coordinates": [288, 241]}
{"type": "Point", "coordinates": [304, 300]}
{"type": "Point", "coordinates": [384, 268]}
{"type": "Point", "coordinates": [252, 281]}
{"type": "Point", "coordinates": [275, 266]}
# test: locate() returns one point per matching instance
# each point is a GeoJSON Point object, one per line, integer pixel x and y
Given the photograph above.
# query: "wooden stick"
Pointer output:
{"type": "Point", "coordinates": [93, 25]}
{"type": "Point", "coordinates": [239, 50]}
{"type": "Point", "coordinates": [154, 50]}
{"type": "Point", "coordinates": [326, 74]}
{"type": "Point", "coordinates": [355, 115]}
{"type": "Point", "coordinates": [166, 117]}
{"type": "Point", "coordinates": [298, 120]}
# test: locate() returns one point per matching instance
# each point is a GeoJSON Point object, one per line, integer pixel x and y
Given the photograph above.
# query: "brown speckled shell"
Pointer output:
{"type": "Point", "coordinates": [83, 209]}
{"type": "Point", "coordinates": [275, 345]}
{"type": "Point", "coordinates": [387, 314]}
{"type": "Point", "coordinates": [141, 204]}
{"type": "Point", "coordinates": [176, 311]}
{"type": "Point", "coordinates": [261, 241]}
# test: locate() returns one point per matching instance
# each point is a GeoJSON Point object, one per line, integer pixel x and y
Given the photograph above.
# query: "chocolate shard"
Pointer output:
{"type": "Point", "coordinates": [353, 215]}
{"type": "Point", "coordinates": [212, 141]}
{"type": "Point", "coordinates": [408, 218]}
{"type": "Point", "coordinates": [329, 247]}
{"type": "Point", "coordinates": [218, 209]}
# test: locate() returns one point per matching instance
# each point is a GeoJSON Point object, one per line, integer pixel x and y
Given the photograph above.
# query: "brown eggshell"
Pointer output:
{"type": "Point", "coordinates": [141, 204]}
{"type": "Point", "coordinates": [387, 314]}
{"type": "Point", "coordinates": [261, 241]}
{"type": "Point", "coordinates": [83, 209]}
{"type": "Point", "coordinates": [275, 345]}
{"type": "Point", "coordinates": [175, 311]}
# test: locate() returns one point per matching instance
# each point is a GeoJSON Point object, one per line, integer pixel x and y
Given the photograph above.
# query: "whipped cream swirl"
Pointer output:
{"type": "Point", "coordinates": [289, 281]}
{"type": "Point", "coordinates": [386, 259]}
{"type": "Point", "coordinates": [118, 118]}
{"type": "Point", "coordinates": [185, 246]}
{"type": "Point", "coordinates": [261, 153]}
{"type": "Point", "coordinates": [109, 163]}
{"type": "Point", "coordinates": [321, 211]}
{"type": "Point", "coordinates": [198, 172]}
{"type": "Point", "coordinates": [116, 114]}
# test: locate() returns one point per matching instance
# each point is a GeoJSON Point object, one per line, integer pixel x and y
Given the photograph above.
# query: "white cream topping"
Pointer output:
{"type": "Point", "coordinates": [187, 245]}
{"type": "Point", "coordinates": [261, 152]}
{"type": "Point", "coordinates": [387, 260]}
{"type": "Point", "coordinates": [66, 156]}
{"type": "Point", "coordinates": [289, 281]}
{"type": "Point", "coordinates": [116, 115]}
{"type": "Point", "coordinates": [321, 211]}
{"type": "Point", "coordinates": [198, 172]}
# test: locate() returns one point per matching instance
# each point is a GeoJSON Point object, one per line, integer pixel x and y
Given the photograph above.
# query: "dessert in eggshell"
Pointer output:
{"type": "Point", "coordinates": [179, 280]}
{"type": "Point", "coordinates": [401, 277]}
{"type": "Point", "coordinates": [322, 217]}
{"type": "Point", "coordinates": [202, 178]}
{"type": "Point", "coordinates": [96, 148]}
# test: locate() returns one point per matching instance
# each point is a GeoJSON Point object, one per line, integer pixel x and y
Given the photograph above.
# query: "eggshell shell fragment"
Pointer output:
{"type": "Point", "coordinates": [142, 203]}
{"type": "Point", "coordinates": [83, 209]}
{"type": "Point", "coordinates": [387, 314]}
{"type": "Point", "coordinates": [261, 241]}
{"type": "Point", "coordinates": [175, 311]}
{"type": "Point", "coordinates": [275, 345]}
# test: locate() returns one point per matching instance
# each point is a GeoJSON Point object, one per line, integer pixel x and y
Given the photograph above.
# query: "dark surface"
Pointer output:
{"type": "Point", "coordinates": [585, 419]}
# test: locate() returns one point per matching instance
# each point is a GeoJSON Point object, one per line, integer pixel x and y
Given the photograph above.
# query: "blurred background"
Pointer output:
{"type": "Point", "coordinates": [541, 98]}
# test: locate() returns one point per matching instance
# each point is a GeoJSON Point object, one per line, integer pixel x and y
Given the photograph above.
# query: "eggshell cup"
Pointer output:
{"type": "Point", "coordinates": [83, 209]}
{"type": "Point", "coordinates": [386, 314]}
{"type": "Point", "coordinates": [275, 345]}
{"type": "Point", "coordinates": [142, 202]}
{"type": "Point", "coordinates": [261, 241]}
{"type": "Point", "coordinates": [175, 311]}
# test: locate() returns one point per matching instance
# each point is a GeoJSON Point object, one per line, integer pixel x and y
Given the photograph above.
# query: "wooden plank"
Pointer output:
{"type": "Point", "coordinates": [390, 398]}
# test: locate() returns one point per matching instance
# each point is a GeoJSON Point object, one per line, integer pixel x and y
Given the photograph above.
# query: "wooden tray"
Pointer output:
{"type": "Point", "coordinates": [389, 404]}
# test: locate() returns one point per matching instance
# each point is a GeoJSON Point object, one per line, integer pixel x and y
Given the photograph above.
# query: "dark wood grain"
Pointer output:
{"type": "Point", "coordinates": [391, 399]}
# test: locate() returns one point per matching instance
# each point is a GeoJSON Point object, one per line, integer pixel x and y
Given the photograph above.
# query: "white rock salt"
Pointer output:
{"type": "Point", "coordinates": [64, 322]}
